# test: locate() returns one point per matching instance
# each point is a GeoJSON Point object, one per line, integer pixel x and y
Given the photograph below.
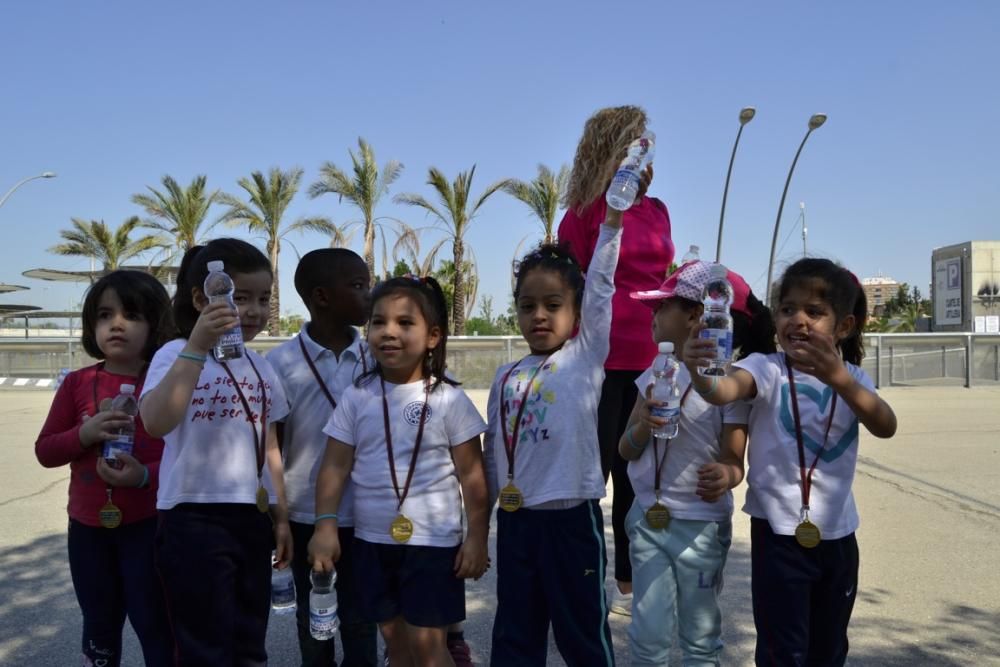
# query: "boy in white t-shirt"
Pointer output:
{"type": "Point", "coordinates": [680, 525]}
{"type": "Point", "coordinates": [315, 368]}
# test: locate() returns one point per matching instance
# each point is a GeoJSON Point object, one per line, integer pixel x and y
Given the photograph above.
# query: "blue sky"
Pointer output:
{"type": "Point", "coordinates": [113, 95]}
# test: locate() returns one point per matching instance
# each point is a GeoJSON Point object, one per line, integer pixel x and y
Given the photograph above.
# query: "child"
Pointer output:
{"type": "Point", "coordinates": [213, 548]}
{"type": "Point", "coordinates": [406, 415]}
{"type": "Point", "coordinates": [806, 402]}
{"type": "Point", "coordinates": [544, 463]}
{"type": "Point", "coordinates": [112, 511]}
{"type": "Point", "coordinates": [678, 556]}
{"type": "Point", "coordinates": [315, 368]}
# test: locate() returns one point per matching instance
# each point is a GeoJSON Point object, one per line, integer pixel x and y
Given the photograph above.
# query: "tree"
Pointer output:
{"type": "Point", "coordinates": [176, 211]}
{"type": "Point", "coordinates": [363, 189]}
{"type": "Point", "coordinates": [93, 239]}
{"type": "Point", "coordinates": [542, 195]}
{"type": "Point", "coordinates": [408, 245]}
{"type": "Point", "coordinates": [269, 198]}
{"type": "Point", "coordinates": [454, 216]}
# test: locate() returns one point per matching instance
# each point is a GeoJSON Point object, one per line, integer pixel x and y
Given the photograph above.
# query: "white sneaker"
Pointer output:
{"type": "Point", "coordinates": [621, 603]}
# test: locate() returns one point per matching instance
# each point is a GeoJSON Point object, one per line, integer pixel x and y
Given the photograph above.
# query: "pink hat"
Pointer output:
{"type": "Point", "coordinates": [688, 282]}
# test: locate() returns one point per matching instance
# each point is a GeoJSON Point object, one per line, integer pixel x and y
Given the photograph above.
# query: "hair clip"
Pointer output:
{"type": "Point", "coordinates": [422, 280]}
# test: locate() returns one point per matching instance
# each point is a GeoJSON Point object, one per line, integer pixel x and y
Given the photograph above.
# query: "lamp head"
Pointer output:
{"type": "Point", "coordinates": [48, 174]}
{"type": "Point", "coordinates": [746, 115]}
{"type": "Point", "coordinates": [816, 121]}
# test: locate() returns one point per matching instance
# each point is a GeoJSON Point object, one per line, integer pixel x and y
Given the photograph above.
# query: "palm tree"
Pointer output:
{"type": "Point", "coordinates": [177, 211]}
{"type": "Point", "coordinates": [445, 275]}
{"type": "Point", "coordinates": [93, 239]}
{"type": "Point", "coordinates": [454, 217]}
{"type": "Point", "coordinates": [269, 198]}
{"type": "Point", "coordinates": [542, 195]}
{"type": "Point", "coordinates": [408, 245]}
{"type": "Point", "coordinates": [363, 189]}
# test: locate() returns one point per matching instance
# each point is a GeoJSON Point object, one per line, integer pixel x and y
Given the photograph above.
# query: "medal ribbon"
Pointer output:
{"type": "Point", "coordinates": [416, 445]}
{"type": "Point", "coordinates": [259, 440]}
{"type": "Point", "coordinates": [806, 477]}
{"type": "Point", "coordinates": [656, 456]}
{"type": "Point", "coordinates": [319, 378]}
{"type": "Point", "coordinates": [510, 443]}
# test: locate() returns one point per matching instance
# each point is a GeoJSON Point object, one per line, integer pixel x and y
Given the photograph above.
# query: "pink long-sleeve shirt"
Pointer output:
{"type": "Point", "coordinates": [646, 252]}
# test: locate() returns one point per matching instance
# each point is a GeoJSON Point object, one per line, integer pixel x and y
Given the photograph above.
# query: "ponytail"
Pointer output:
{"type": "Point", "coordinates": [753, 332]}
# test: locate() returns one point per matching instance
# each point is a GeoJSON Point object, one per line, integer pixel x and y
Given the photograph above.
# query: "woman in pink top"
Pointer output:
{"type": "Point", "coordinates": [646, 254]}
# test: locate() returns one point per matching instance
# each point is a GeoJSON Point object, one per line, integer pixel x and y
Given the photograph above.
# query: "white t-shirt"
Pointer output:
{"type": "Point", "coordinates": [557, 456]}
{"type": "Point", "coordinates": [209, 457]}
{"type": "Point", "coordinates": [304, 442]}
{"type": "Point", "coordinates": [773, 486]}
{"type": "Point", "coordinates": [434, 503]}
{"type": "Point", "coordinates": [696, 444]}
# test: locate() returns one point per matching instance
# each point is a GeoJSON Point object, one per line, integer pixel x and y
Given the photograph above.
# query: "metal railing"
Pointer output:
{"type": "Point", "coordinates": [960, 359]}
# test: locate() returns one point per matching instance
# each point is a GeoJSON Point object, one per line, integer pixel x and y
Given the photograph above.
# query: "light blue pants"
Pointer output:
{"type": "Point", "coordinates": [676, 581]}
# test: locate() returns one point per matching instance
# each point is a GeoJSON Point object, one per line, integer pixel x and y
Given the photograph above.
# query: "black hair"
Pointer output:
{"type": "Point", "coordinates": [752, 332]}
{"type": "Point", "coordinates": [552, 257]}
{"type": "Point", "coordinates": [839, 288]}
{"type": "Point", "coordinates": [426, 292]}
{"type": "Point", "coordinates": [238, 257]}
{"type": "Point", "coordinates": [140, 293]}
{"type": "Point", "coordinates": [320, 268]}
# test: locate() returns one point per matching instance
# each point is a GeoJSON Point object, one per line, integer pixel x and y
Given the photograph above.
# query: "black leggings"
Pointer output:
{"type": "Point", "coordinates": [618, 396]}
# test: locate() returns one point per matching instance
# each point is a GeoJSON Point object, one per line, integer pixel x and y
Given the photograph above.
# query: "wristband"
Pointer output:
{"type": "Point", "coordinates": [710, 390]}
{"type": "Point", "coordinates": [321, 517]}
{"type": "Point", "coordinates": [196, 358]}
{"type": "Point", "coordinates": [145, 478]}
{"type": "Point", "coordinates": [631, 442]}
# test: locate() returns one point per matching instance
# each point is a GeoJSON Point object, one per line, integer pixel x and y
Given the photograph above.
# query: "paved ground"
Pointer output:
{"type": "Point", "coordinates": [929, 501]}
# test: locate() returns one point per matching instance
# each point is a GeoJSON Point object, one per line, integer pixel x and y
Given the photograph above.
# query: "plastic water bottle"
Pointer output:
{"type": "Point", "coordinates": [691, 255]}
{"type": "Point", "coordinates": [124, 440]}
{"type": "Point", "coordinates": [717, 297]}
{"type": "Point", "coordinates": [666, 391]}
{"type": "Point", "coordinates": [219, 287]}
{"type": "Point", "coordinates": [282, 588]}
{"type": "Point", "coordinates": [625, 184]}
{"type": "Point", "coordinates": [323, 621]}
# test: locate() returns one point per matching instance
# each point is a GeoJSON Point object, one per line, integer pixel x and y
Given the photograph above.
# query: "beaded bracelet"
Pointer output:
{"type": "Point", "coordinates": [145, 478]}
{"type": "Point", "coordinates": [321, 517]}
{"type": "Point", "coordinates": [631, 442]}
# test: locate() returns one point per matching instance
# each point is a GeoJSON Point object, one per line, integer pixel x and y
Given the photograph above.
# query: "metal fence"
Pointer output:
{"type": "Point", "coordinates": [891, 359]}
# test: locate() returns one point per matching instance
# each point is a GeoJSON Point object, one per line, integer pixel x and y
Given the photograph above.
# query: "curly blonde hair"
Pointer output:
{"type": "Point", "coordinates": [606, 136]}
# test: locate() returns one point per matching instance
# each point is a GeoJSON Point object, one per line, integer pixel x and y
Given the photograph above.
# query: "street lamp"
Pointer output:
{"type": "Point", "coordinates": [815, 122]}
{"type": "Point", "coordinates": [44, 174]}
{"type": "Point", "coordinates": [746, 115]}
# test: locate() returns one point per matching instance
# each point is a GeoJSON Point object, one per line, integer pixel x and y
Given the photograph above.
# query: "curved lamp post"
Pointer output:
{"type": "Point", "coordinates": [44, 174]}
{"type": "Point", "coordinates": [746, 115]}
{"type": "Point", "coordinates": [815, 122]}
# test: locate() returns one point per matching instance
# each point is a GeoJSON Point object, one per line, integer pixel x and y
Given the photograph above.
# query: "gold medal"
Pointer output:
{"type": "Point", "coordinates": [262, 499]}
{"type": "Point", "coordinates": [807, 534]}
{"type": "Point", "coordinates": [510, 498]}
{"type": "Point", "coordinates": [401, 529]}
{"type": "Point", "coordinates": [109, 515]}
{"type": "Point", "coordinates": [658, 516]}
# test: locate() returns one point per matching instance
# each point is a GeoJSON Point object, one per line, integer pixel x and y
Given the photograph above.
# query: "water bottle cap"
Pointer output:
{"type": "Point", "coordinates": [216, 265]}
{"type": "Point", "coordinates": [127, 388]}
{"type": "Point", "coordinates": [665, 348]}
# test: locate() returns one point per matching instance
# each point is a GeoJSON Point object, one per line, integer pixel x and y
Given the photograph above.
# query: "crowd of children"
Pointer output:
{"type": "Point", "coordinates": [364, 455]}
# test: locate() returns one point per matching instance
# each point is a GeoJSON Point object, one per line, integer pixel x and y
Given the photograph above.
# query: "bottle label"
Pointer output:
{"type": "Point", "coordinates": [668, 412]}
{"type": "Point", "coordinates": [283, 593]}
{"type": "Point", "coordinates": [233, 337]}
{"type": "Point", "coordinates": [723, 342]}
{"type": "Point", "coordinates": [120, 445]}
{"type": "Point", "coordinates": [322, 620]}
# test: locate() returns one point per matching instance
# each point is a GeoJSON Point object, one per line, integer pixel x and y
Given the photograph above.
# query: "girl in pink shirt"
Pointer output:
{"type": "Point", "coordinates": [646, 254]}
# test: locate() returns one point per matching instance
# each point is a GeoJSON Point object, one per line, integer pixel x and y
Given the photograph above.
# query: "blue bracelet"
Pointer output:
{"type": "Point", "coordinates": [711, 390]}
{"type": "Point", "coordinates": [631, 442]}
{"type": "Point", "coordinates": [145, 478]}
{"type": "Point", "coordinates": [321, 517]}
{"type": "Point", "coordinates": [198, 359]}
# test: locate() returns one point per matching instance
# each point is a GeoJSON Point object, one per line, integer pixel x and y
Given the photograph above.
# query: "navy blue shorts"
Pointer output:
{"type": "Point", "coordinates": [417, 583]}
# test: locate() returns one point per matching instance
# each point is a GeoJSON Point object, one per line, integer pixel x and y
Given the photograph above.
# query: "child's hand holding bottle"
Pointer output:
{"type": "Point", "coordinates": [132, 473]}
{"type": "Point", "coordinates": [324, 547]}
{"type": "Point", "coordinates": [215, 319]}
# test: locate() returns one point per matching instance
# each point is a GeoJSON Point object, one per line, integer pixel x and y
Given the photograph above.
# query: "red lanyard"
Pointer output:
{"type": "Point", "coordinates": [319, 378]}
{"type": "Point", "coordinates": [656, 455]}
{"type": "Point", "coordinates": [259, 441]}
{"type": "Point", "coordinates": [416, 445]}
{"type": "Point", "coordinates": [806, 477]}
{"type": "Point", "coordinates": [510, 443]}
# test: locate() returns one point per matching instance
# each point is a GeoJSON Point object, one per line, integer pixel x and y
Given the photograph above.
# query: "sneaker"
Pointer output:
{"type": "Point", "coordinates": [460, 652]}
{"type": "Point", "coordinates": [621, 603]}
